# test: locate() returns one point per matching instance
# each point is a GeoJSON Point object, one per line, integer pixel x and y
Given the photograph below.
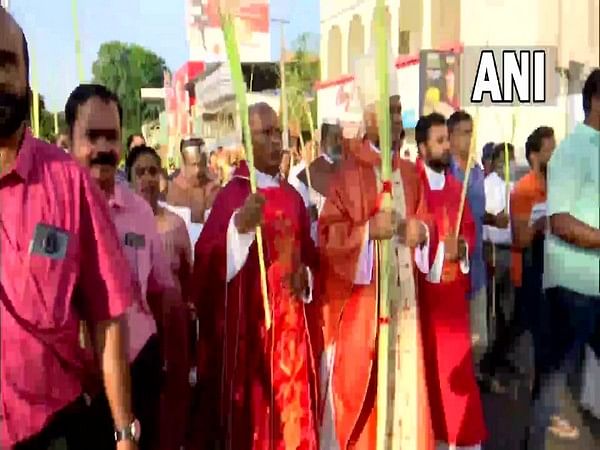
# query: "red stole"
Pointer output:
{"type": "Point", "coordinates": [260, 383]}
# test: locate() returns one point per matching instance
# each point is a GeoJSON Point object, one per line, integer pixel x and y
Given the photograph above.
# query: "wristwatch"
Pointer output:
{"type": "Point", "coordinates": [130, 433]}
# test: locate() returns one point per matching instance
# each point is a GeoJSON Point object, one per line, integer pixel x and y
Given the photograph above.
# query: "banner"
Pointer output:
{"type": "Point", "coordinates": [252, 23]}
{"type": "Point", "coordinates": [439, 82]}
{"type": "Point", "coordinates": [339, 100]}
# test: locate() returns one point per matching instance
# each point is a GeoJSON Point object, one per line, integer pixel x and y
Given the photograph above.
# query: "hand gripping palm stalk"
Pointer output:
{"type": "Point", "coordinates": [240, 93]}
{"type": "Point", "coordinates": [386, 171]}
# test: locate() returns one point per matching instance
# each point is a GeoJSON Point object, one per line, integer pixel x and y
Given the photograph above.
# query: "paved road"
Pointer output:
{"type": "Point", "coordinates": [507, 415]}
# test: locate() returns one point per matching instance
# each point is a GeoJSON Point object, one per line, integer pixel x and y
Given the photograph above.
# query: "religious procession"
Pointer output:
{"type": "Point", "coordinates": [402, 253]}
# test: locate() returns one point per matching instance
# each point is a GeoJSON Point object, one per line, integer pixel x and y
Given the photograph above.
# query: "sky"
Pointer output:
{"type": "Point", "coordinates": [48, 26]}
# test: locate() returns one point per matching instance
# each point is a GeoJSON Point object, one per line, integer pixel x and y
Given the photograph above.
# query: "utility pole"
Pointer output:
{"type": "Point", "coordinates": [284, 109]}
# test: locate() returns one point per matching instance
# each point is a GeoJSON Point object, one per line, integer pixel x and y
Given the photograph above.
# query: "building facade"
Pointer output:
{"type": "Point", "coordinates": [347, 33]}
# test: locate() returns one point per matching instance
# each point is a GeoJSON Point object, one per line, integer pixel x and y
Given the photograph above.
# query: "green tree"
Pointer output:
{"type": "Point", "coordinates": [125, 69]}
{"type": "Point", "coordinates": [47, 131]}
{"type": "Point", "coordinates": [300, 77]}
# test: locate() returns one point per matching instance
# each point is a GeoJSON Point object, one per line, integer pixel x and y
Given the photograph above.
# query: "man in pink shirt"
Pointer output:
{"type": "Point", "coordinates": [93, 116]}
{"type": "Point", "coordinates": [60, 263]}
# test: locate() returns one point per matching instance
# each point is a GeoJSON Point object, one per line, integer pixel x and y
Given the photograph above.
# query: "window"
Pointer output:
{"type": "Point", "coordinates": [404, 43]}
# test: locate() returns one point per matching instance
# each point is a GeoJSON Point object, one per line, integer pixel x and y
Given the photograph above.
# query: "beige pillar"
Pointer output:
{"type": "Point", "coordinates": [426, 36]}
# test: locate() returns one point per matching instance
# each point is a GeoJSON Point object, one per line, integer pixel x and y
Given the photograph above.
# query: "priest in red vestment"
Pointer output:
{"type": "Point", "coordinates": [258, 385]}
{"type": "Point", "coordinates": [349, 226]}
{"type": "Point", "coordinates": [456, 410]}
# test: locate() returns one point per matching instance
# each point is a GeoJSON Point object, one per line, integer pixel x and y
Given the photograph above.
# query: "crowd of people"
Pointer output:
{"type": "Point", "coordinates": [155, 309]}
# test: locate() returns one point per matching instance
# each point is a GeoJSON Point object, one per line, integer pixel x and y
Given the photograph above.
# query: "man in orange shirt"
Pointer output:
{"type": "Point", "coordinates": [528, 218]}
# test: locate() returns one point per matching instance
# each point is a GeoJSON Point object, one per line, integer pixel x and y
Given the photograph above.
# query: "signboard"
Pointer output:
{"type": "Point", "coordinates": [215, 88]}
{"type": "Point", "coordinates": [252, 28]}
{"type": "Point", "coordinates": [338, 99]}
{"type": "Point", "coordinates": [439, 82]}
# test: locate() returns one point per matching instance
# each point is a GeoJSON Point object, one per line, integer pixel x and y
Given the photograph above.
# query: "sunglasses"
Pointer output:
{"type": "Point", "coordinates": [141, 171]}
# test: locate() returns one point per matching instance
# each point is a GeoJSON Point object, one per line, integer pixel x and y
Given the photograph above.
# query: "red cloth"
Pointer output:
{"type": "Point", "coordinates": [259, 386]}
{"type": "Point", "coordinates": [352, 198]}
{"type": "Point", "coordinates": [43, 299]}
{"type": "Point", "coordinates": [456, 410]}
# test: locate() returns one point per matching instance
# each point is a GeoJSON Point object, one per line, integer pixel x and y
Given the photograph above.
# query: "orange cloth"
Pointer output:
{"type": "Point", "coordinates": [352, 198]}
{"type": "Point", "coordinates": [528, 191]}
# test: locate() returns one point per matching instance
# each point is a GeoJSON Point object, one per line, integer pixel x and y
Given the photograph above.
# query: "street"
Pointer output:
{"type": "Point", "coordinates": [507, 415]}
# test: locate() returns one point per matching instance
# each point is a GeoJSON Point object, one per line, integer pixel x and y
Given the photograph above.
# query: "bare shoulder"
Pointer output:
{"type": "Point", "coordinates": [174, 221]}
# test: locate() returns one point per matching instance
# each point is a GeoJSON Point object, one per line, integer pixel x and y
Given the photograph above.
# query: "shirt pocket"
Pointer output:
{"type": "Point", "coordinates": [48, 288]}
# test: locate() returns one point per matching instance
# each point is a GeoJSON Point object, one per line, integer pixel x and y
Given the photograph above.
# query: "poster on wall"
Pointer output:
{"type": "Point", "coordinates": [439, 82]}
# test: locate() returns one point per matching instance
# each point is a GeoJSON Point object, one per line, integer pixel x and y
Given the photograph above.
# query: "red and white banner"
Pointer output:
{"type": "Point", "coordinates": [178, 102]}
{"type": "Point", "coordinates": [252, 28]}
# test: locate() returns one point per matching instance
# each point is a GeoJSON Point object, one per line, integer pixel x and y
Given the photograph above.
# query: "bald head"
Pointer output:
{"type": "Point", "coordinates": [13, 44]}
{"type": "Point", "coordinates": [266, 138]}
{"type": "Point", "coordinates": [372, 126]}
{"type": "Point", "coordinates": [258, 112]}
{"type": "Point", "coordinates": [14, 85]}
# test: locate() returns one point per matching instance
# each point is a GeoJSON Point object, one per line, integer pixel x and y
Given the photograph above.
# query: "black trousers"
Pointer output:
{"type": "Point", "coordinates": [82, 427]}
{"type": "Point", "coordinates": [67, 429]}
{"type": "Point", "coordinates": [530, 313]}
{"type": "Point", "coordinates": [146, 383]}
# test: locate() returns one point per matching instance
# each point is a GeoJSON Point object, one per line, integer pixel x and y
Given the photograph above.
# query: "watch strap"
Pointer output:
{"type": "Point", "coordinates": [130, 433]}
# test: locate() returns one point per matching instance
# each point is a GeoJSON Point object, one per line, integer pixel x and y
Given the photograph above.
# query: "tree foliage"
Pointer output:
{"type": "Point", "coordinates": [300, 77]}
{"type": "Point", "coordinates": [125, 69]}
{"type": "Point", "coordinates": [47, 131]}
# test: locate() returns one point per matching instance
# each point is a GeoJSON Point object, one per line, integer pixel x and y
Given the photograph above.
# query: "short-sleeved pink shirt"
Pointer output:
{"type": "Point", "coordinates": [143, 247]}
{"type": "Point", "coordinates": [60, 262]}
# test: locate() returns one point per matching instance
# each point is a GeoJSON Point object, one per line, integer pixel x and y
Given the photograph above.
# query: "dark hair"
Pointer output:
{"type": "Point", "coordinates": [456, 118]}
{"type": "Point", "coordinates": [499, 150]}
{"type": "Point", "coordinates": [535, 139]}
{"type": "Point", "coordinates": [327, 128]}
{"type": "Point", "coordinates": [190, 142]}
{"type": "Point", "coordinates": [591, 88]}
{"type": "Point", "coordinates": [425, 123]}
{"type": "Point", "coordinates": [132, 137]}
{"type": "Point", "coordinates": [80, 97]}
{"type": "Point", "coordinates": [135, 153]}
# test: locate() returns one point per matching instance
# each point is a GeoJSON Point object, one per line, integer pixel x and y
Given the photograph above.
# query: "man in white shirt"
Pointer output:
{"type": "Point", "coordinates": [497, 251]}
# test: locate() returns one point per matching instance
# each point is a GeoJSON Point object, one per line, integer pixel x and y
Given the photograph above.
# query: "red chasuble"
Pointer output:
{"type": "Point", "coordinates": [456, 410]}
{"type": "Point", "coordinates": [349, 311]}
{"type": "Point", "coordinates": [258, 386]}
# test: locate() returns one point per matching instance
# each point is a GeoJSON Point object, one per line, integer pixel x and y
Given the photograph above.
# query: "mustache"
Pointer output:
{"type": "Point", "coordinates": [105, 159]}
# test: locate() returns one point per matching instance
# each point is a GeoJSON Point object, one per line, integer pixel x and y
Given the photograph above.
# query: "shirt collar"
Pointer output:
{"type": "Point", "coordinates": [327, 158]}
{"type": "Point", "coordinates": [586, 130]}
{"type": "Point", "coordinates": [118, 198]}
{"type": "Point", "coordinates": [436, 180]}
{"type": "Point", "coordinates": [264, 180]}
{"type": "Point", "coordinates": [374, 148]}
{"type": "Point", "coordinates": [456, 170]}
{"type": "Point", "coordinates": [24, 160]}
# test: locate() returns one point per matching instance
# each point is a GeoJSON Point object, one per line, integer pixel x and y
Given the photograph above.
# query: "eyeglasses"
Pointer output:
{"type": "Point", "coordinates": [141, 171]}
